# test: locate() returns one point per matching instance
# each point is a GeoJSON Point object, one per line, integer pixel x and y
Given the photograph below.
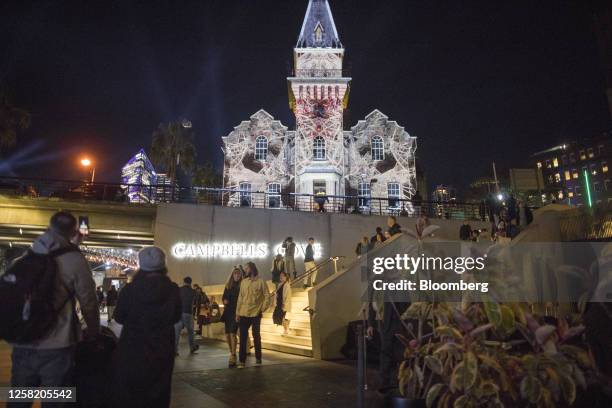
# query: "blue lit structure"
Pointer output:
{"type": "Point", "coordinates": [138, 179]}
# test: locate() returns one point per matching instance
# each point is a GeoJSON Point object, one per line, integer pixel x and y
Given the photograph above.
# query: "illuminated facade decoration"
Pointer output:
{"type": "Point", "coordinates": [237, 250]}
{"type": "Point", "coordinates": [137, 178]}
{"type": "Point", "coordinates": [164, 191]}
{"type": "Point", "coordinates": [376, 156]}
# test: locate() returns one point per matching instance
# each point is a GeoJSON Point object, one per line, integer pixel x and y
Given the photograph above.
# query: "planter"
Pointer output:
{"type": "Point", "coordinates": [393, 399]}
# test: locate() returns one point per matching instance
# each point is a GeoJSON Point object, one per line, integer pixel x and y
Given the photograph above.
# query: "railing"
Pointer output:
{"type": "Point", "coordinates": [319, 73]}
{"type": "Point", "coordinates": [152, 194]}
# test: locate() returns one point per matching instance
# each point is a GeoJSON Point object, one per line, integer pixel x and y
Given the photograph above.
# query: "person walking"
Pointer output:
{"type": "Point", "coordinates": [111, 302]}
{"type": "Point", "coordinates": [148, 308]}
{"type": "Point", "coordinates": [252, 301]}
{"type": "Point", "coordinates": [187, 298]}
{"type": "Point", "coordinates": [394, 227]}
{"type": "Point", "coordinates": [100, 295]}
{"type": "Point", "coordinates": [309, 264]}
{"type": "Point", "coordinates": [47, 361]}
{"type": "Point", "coordinates": [377, 238]}
{"type": "Point", "coordinates": [230, 302]}
{"type": "Point", "coordinates": [278, 266]}
{"type": "Point", "coordinates": [289, 247]}
{"type": "Point", "coordinates": [283, 303]}
{"type": "Point", "coordinates": [362, 247]}
{"type": "Point", "coordinates": [465, 232]}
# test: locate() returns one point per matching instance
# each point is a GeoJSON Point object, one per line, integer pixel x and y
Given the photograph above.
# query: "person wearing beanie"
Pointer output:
{"type": "Point", "coordinates": [148, 308]}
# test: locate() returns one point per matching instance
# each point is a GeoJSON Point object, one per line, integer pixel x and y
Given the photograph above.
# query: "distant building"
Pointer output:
{"type": "Point", "coordinates": [572, 171]}
{"type": "Point", "coordinates": [165, 191]}
{"type": "Point", "coordinates": [443, 194]}
{"type": "Point", "coordinates": [375, 158]}
{"type": "Point", "coordinates": [138, 178]}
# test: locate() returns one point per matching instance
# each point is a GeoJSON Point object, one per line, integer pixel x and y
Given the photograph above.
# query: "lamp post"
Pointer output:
{"type": "Point", "coordinates": [86, 163]}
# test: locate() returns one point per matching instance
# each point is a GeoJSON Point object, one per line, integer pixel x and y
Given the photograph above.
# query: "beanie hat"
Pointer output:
{"type": "Point", "coordinates": [152, 259]}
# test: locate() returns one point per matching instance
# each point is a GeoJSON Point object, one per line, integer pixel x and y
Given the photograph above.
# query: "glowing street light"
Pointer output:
{"type": "Point", "coordinates": [85, 162]}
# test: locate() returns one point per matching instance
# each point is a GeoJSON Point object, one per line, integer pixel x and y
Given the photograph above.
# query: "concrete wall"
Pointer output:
{"type": "Point", "coordinates": [337, 233]}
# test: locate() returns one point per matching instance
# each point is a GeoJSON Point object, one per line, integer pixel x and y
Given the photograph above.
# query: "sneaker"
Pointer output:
{"type": "Point", "coordinates": [194, 349]}
{"type": "Point", "coordinates": [240, 365]}
{"type": "Point", "coordinates": [258, 361]}
{"type": "Point", "coordinates": [232, 362]}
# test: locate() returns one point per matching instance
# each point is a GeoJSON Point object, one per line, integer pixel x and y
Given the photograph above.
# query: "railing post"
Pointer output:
{"type": "Point", "coordinates": [360, 366]}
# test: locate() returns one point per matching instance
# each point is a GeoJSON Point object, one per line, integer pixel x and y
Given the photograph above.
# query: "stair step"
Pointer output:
{"type": "Point", "coordinates": [288, 339]}
{"type": "Point", "coordinates": [294, 331]}
{"type": "Point", "coordinates": [297, 324]}
{"type": "Point", "coordinates": [298, 317]}
{"type": "Point", "coordinates": [305, 351]}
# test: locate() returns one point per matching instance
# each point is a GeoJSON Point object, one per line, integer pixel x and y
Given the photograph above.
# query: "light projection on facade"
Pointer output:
{"type": "Point", "coordinates": [238, 250]}
{"type": "Point", "coordinates": [375, 158]}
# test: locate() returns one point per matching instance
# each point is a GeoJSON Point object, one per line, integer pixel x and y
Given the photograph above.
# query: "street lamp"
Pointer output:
{"type": "Point", "coordinates": [85, 162]}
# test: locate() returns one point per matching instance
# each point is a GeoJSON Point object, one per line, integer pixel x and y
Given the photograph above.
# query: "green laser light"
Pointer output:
{"type": "Point", "coordinates": [588, 188]}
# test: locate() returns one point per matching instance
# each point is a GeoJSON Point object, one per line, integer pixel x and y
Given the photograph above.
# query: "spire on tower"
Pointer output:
{"type": "Point", "coordinates": [318, 28]}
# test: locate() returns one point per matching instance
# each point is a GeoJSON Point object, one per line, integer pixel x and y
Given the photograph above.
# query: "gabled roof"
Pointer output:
{"type": "Point", "coordinates": [318, 19]}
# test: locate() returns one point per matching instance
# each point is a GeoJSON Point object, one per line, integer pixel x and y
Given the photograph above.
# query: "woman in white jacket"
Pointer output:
{"type": "Point", "coordinates": [283, 303]}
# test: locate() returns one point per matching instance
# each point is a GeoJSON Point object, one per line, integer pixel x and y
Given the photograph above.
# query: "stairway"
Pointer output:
{"type": "Point", "coordinates": [299, 340]}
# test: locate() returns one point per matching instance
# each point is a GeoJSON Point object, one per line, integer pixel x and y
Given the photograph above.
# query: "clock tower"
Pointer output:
{"type": "Point", "coordinates": [318, 94]}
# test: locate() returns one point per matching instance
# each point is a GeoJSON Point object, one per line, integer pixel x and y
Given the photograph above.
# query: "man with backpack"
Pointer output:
{"type": "Point", "coordinates": [47, 281]}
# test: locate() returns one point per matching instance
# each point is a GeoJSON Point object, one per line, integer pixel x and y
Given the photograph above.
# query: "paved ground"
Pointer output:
{"type": "Point", "coordinates": [203, 380]}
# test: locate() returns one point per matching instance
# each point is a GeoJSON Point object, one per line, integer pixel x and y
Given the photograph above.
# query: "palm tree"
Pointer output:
{"type": "Point", "coordinates": [12, 121]}
{"type": "Point", "coordinates": [172, 148]}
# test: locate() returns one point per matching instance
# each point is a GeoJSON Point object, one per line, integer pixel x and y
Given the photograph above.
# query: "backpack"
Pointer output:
{"type": "Point", "coordinates": [27, 293]}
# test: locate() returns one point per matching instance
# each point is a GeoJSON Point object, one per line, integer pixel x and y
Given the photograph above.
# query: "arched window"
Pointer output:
{"type": "Point", "coordinates": [378, 148]}
{"type": "Point", "coordinates": [318, 148]}
{"type": "Point", "coordinates": [274, 197]}
{"type": "Point", "coordinates": [261, 148]}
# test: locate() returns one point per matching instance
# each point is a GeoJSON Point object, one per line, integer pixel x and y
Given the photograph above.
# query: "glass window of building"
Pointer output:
{"type": "Point", "coordinates": [557, 178]}
{"type": "Point", "coordinates": [590, 152]}
{"type": "Point", "coordinates": [555, 162]}
{"type": "Point", "coordinates": [594, 169]}
{"type": "Point", "coordinates": [567, 174]}
{"type": "Point", "coordinates": [245, 194]}
{"type": "Point", "coordinates": [577, 189]}
{"type": "Point", "coordinates": [274, 198]}
{"type": "Point", "coordinates": [378, 148]}
{"type": "Point", "coordinates": [319, 186]}
{"type": "Point", "coordinates": [364, 193]}
{"type": "Point", "coordinates": [582, 155]}
{"type": "Point", "coordinates": [607, 185]}
{"type": "Point", "coordinates": [548, 165]}
{"type": "Point", "coordinates": [393, 194]}
{"type": "Point", "coordinates": [597, 187]}
{"type": "Point", "coordinates": [560, 195]}
{"type": "Point", "coordinates": [604, 167]}
{"type": "Point", "coordinates": [261, 148]}
{"type": "Point", "coordinates": [539, 164]}
{"type": "Point", "coordinates": [570, 194]}
{"type": "Point", "coordinates": [600, 149]}
{"type": "Point", "coordinates": [572, 158]}
{"type": "Point", "coordinates": [575, 173]}
{"type": "Point", "coordinates": [564, 159]}
{"type": "Point", "coordinates": [318, 148]}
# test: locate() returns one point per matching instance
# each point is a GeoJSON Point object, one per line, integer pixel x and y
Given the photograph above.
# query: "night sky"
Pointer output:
{"type": "Point", "coordinates": [474, 81]}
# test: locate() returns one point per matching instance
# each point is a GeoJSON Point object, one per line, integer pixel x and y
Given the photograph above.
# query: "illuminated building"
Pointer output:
{"type": "Point", "coordinates": [375, 158]}
{"type": "Point", "coordinates": [137, 178]}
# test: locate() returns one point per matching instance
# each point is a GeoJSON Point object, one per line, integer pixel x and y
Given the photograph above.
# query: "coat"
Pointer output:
{"type": "Point", "coordinates": [229, 310]}
{"type": "Point", "coordinates": [148, 308]}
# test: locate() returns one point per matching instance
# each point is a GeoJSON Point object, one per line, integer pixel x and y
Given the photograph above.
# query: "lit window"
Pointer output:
{"type": "Point", "coordinates": [567, 175]}
{"type": "Point", "coordinates": [318, 148]}
{"type": "Point", "coordinates": [378, 148]}
{"type": "Point", "coordinates": [364, 192]}
{"type": "Point", "coordinates": [582, 155]}
{"type": "Point", "coordinates": [572, 158]}
{"type": "Point", "coordinates": [548, 166]}
{"type": "Point", "coordinates": [245, 194]}
{"type": "Point", "coordinates": [575, 173]}
{"type": "Point", "coordinates": [590, 152]}
{"type": "Point", "coordinates": [274, 198]}
{"type": "Point", "coordinates": [539, 164]}
{"type": "Point", "coordinates": [560, 195]}
{"type": "Point", "coordinates": [570, 194]}
{"type": "Point", "coordinates": [555, 162]}
{"type": "Point", "coordinates": [604, 167]}
{"type": "Point", "coordinates": [393, 194]}
{"type": "Point", "coordinates": [593, 169]}
{"type": "Point", "coordinates": [261, 148]}
{"type": "Point", "coordinates": [557, 178]}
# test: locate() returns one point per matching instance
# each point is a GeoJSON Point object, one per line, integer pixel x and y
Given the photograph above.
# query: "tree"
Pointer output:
{"type": "Point", "coordinates": [172, 148]}
{"type": "Point", "coordinates": [12, 121]}
{"type": "Point", "coordinates": [207, 176]}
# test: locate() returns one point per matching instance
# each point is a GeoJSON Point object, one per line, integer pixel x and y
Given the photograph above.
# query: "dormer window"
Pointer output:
{"type": "Point", "coordinates": [318, 33]}
{"type": "Point", "coordinates": [261, 148]}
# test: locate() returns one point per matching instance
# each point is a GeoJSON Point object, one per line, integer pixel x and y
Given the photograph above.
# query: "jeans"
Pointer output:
{"type": "Point", "coordinates": [245, 323]}
{"type": "Point", "coordinates": [41, 368]}
{"type": "Point", "coordinates": [186, 322]}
